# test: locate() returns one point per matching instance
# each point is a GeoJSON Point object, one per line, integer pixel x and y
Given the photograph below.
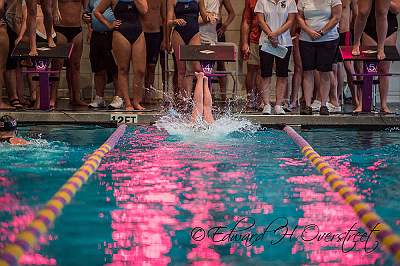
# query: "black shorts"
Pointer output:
{"type": "Point", "coordinates": [12, 63]}
{"type": "Point", "coordinates": [318, 55]}
{"type": "Point", "coordinates": [222, 37]}
{"type": "Point", "coordinates": [281, 64]}
{"type": "Point", "coordinates": [153, 46]}
{"type": "Point", "coordinates": [100, 55]}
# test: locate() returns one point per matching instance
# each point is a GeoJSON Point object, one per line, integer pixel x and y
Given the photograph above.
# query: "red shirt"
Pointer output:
{"type": "Point", "coordinates": [251, 18]}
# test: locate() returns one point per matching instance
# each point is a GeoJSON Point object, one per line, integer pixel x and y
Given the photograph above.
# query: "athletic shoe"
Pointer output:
{"type": "Point", "coordinates": [292, 107]}
{"type": "Point", "coordinates": [306, 110]}
{"type": "Point", "coordinates": [316, 105]}
{"type": "Point", "coordinates": [324, 110]}
{"type": "Point", "coordinates": [333, 109]}
{"type": "Point", "coordinates": [267, 109]}
{"type": "Point", "coordinates": [98, 102]}
{"type": "Point", "coordinates": [117, 103]}
{"type": "Point", "coordinates": [279, 110]}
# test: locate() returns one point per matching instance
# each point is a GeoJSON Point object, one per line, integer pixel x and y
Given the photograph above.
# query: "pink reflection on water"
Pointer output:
{"type": "Point", "coordinates": [330, 213]}
{"type": "Point", "coordinates": [154, 186]}
{"type": "Point", "coordinates": [22, 216]}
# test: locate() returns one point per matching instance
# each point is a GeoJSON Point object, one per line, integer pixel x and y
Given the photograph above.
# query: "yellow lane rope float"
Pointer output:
{"type": "Point", "coordinates": [44, 219]}
{"type": "Point", "coordinates": [389, 240]}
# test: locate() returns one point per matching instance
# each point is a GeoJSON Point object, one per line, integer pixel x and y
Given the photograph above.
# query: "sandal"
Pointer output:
{"type": "Point", "coordinates": [17, 104]}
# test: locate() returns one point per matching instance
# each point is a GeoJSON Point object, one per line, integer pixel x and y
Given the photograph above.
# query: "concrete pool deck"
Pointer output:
{"type": "Point", "coordinates": [149, 117]}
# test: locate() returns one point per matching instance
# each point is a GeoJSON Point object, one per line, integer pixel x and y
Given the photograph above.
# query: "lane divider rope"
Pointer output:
{"type": "Point", "coordinates": [385, 235]}
{"type": "Point", "coordinates": [28, 239]}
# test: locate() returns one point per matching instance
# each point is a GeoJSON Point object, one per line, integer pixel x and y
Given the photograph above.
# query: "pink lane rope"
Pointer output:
{"type": "Point", "coordinates": [382, 231]}
{"type": "Point", "coordinates": [44, 219]}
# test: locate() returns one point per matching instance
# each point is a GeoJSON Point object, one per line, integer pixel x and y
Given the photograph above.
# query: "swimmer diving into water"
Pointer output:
{"type": "Point", "coordinates": [202, 100]}
{"type": "Point", "coordinates": [8, 131]}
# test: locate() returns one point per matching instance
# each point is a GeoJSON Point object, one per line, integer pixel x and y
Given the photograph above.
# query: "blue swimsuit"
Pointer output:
{"type": "Point", "coordinates": [187, 10]}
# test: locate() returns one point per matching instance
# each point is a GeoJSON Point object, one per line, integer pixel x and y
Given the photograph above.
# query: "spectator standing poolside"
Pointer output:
{"type": "Point", "coordinates": [214, 31]}
{"type": "Point", "coordinates": [101, 57]}
{"type": "Point", "coordinates": [319, 39]}
{"type": "Point", "coordinates": [69, 31]}
{"type": "Point", "coordinates": [153, 33]}
{"type": "Point", "coordinates": [249, 40]}
{"type": "Point", "coordinates": [370, 38]}
{"type": "Point", "coordinates": [275, 18]}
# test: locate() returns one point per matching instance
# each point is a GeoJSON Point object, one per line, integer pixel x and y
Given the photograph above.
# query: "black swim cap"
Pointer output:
{"type": "Point", "coordinates": [8, 123]}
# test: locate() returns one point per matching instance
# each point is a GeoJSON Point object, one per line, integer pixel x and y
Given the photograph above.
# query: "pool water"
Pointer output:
{"type": "Point", "coordinates": [156, 196]}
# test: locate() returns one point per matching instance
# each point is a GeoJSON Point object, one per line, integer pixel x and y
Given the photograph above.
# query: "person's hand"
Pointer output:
{"type": "Point", "coordinates": [17, 41]}
{"type": "Point", "coordinates": [114, 25]}
{"type": "Point", "coordinates": [245, 51]}
{"type": "Point", "coordinates": [222, 30]}
{"type": "Point", "coordinates": [274, 42]}
{"type": "Point", "coordinates": [180, 22]}
{"type": "Point", "coordinates": [57, 17]}
{"type": "Point", "coordinates": [86, 18]}
{"type": "Point", "coordinates": [314, 34]}
{"type": "Point", "coordinates": [211, 18]}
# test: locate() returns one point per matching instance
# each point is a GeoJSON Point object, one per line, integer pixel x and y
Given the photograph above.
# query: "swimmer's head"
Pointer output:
{"type": "Point", "coordinates": [8, 124]}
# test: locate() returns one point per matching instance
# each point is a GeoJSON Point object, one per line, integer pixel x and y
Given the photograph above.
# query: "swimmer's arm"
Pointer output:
{"type": "Point", "coordinates": [170, 13]}
{"type": "Point", "coordinates": [98, 12]}
{"type": "Point", "coordinates": [22, 30]}
{"type": "Point", "coordinates": [244, 26]}
{"type": "Point", "coordinates": [231, 13]}
{"type": "Point", "coordinates": [395, 7]}
{"type": "Point", "coordinates": [18, 141]}
{"type": "Point", "coordinates": [203, 12]}
{"type": "Point", "coordinates": [335, 18]}
{"type": "Point", "coordinates": [142, 6]}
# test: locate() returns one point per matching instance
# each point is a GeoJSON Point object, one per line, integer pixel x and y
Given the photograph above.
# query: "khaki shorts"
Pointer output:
{"type": "Point", "coordinates": [254, 58]}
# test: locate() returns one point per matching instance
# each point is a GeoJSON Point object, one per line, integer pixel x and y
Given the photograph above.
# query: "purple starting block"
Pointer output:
{"type": "Point", "coordinates": [208, 55]}
{"type": "Point", "coordinates": [370, 68]}
{"type": "Point", "coordinates": [41, 65]}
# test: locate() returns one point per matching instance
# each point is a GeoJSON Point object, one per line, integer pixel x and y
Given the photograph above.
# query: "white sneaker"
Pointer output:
{"type": "Point", "coordinates": [267, 109]}
{"type": "Point", "coordinates": [98, 102]}
{"type": "Point", "coordinates": [279, 110]}
{"type": "Point", "coordinates": [116, 103]}
{"type": "Point", "coordinates": [333, 109]}
{"type": "Point", "coordinates": [316, 105]}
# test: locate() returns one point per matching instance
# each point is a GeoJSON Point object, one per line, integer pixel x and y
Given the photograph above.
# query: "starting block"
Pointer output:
{"type": "Point", "coordinates": [41, 65]}
{"type": "Point", "coordinates": [370, 68]}
{"type": "Point", "coordinates": [208, 55]}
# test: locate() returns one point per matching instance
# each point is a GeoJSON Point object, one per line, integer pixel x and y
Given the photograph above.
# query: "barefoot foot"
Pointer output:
{"type": "Point", "coordinates": [358, 109]}
{"type": "Point", "coordinates": [380, 54]}
{"type": "Point", "coordinates": [78, 103]}
{"type": "Point", "coordinates": [138, 107]}
{"type": "Point", "coordinates": [385, 109]}
{"type": "Point", "coordinates": [33, 52]}
{"type": "Point", "coordinates": [5, 106]}
{"type": "Point", "coordinates": [356, 50]}
{"type": "Point", "coordinates": [129, 108]}
{"type": "Point", "coordinates": [51, 43]}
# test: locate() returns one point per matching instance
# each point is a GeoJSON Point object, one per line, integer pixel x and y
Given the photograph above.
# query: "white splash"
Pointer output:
{"type": "Point", "coordinates": [181, 125]}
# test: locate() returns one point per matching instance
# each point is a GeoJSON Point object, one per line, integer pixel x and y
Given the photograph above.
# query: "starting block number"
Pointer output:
{"type": "Point", "coordinates": [124, 118]}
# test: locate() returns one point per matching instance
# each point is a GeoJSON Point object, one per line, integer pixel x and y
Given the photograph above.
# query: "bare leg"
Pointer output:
{"type": "Point", "coordinates": [139, 68]}
{"type": "Point", "coordinates": [208, 117]}
{"type": "Point", "coordinates": [198, 97]}
{"type": "Point", "coordinates": [381, 11]}
{"type": "Point", "coordinates": [122, 51]}
{"type": "Point", "coordinates": [149, 81]}
{"type": "Point", "coordinates": [281, 86]}
{"type": "Point", "coordinates": [364, 8]}
{"type": "Point", "coordinates": [266, 89]}
{"type": "Point", "coordinates": [31, 25]}
{"type": "Point", "coordinates": [325, 87]}
{"type": "Point", "coordinates": [3, 59]}
{"type": "Point", "coordinates": [308, 86]}
{"type": "Point", "coordinates": [222, 81]}
{"type": "Point", "coordinates": [181, 69]}
{"type": "Point", "coordinates": [195, 67]}
{"type": "Point", "coordinates": [74, 66]}
{"type": "Point", "coordinates": [48, 21]}
{"type": "Point", "coordinates": [333, 95]}
{"type": "Point", "coordinates": [251, 81]}
{"type": "Point", "coordinates": [298, 73]}
{"type": "Point", "coordinates": [100, 81]}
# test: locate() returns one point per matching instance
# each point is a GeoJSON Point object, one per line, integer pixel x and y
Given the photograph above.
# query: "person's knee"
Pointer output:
{"type": "Point", "coordinates": [123, 70]}
{"type": "Point", "coordinates": [139, 72]}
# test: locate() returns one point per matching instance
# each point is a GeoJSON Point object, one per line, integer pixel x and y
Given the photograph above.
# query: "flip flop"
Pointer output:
{"type": "Point", "coordinates": [17, 104]}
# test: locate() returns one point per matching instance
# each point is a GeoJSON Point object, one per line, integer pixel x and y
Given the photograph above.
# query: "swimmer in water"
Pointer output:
{"type": "Point", "coordinates": [8, 131]}
{"type": "Point", "coordinates": [202, 100]}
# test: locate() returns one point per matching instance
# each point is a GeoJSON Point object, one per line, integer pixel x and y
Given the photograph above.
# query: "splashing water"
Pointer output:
{"type": "Point", "coordinates": [181, 125]}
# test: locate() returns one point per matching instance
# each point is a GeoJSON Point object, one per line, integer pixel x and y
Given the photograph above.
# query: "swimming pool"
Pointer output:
{"type": "Point", "coordinates": [155, 195]}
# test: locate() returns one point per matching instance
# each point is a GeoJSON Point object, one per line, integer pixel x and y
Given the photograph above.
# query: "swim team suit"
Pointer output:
{"type": "Point", "coordinates": [208, 32]}
{"type": "Point", "coordinates": [153, 46]}
{"type": "Point", "coordinates": [255, 32]}
{"type": "Point", "coordinates": [275, 15]}
{"type": "Point", "coordinates": [127, 12]}
{"type": "Point", "coordinates": [69, 32]}
{"type": "Point", "coordinates": [370, 27]}
{"type": "Point", "coordinates": [318, 54]}
{"type": "Point", "coordinates": [187, 10]}
{"type": "Point", "coordinates": [100, 54]}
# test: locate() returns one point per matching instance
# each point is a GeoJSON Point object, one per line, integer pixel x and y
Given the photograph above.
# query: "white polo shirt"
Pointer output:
{"type": "Point", "coordinates": [316, 14]}
{"type": "Point", "coordinates": [275, 15]}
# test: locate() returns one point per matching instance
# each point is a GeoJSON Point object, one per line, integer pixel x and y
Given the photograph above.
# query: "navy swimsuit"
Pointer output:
{"type": "Point", "coordinates": [128, 14]}
{"type": "Point", "coordinates": [187, 10]}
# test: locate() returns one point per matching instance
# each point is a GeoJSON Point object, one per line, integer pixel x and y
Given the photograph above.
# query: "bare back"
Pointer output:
{"type": "Point", "coordinates": [152, 20]}
{"type": "Point", "coordinates": [70, 11]}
